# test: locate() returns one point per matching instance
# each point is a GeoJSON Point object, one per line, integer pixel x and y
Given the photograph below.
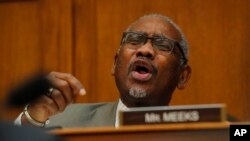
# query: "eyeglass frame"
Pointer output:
{"type": "Point", "coordinates": [176, 43]}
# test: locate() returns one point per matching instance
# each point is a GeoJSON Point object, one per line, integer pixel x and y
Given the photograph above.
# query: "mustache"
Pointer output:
{"type": "Point", "coordinates": [152, 65]}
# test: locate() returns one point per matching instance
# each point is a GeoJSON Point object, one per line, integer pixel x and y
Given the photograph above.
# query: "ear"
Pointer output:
{"type": "Point", "coordinates": [184, 77]}
{"type": "Point", "coordinates": [114, 64]}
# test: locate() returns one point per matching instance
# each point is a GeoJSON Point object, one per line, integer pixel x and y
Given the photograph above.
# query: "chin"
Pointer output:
{"type": "Point", "coordinates": [137, 92]}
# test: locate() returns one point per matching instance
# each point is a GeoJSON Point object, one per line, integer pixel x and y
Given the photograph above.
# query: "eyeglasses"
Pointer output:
{"type": "Point", "coordinates": [159, 42]}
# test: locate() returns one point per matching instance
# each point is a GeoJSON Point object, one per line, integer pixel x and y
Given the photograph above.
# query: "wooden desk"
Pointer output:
{"type": "Point", "coordinates": [169, 132]}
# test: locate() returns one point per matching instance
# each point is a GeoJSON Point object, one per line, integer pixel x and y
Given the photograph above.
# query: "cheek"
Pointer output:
{"type": "Point", "coordinates": [168, 69]}
{"type": "Point", "coordinates": [127, 55]}
{"type": "Point", "coordinates": [124, 58]}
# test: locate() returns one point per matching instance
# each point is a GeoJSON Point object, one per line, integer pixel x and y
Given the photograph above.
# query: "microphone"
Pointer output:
{"type": "Point", "coordinates": [28, 91]}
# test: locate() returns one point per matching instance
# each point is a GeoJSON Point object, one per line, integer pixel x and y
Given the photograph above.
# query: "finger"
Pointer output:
{"type": "Point", "coordinates": [62, 86]}
{"type": "Point", "coordinates": [74, 83]}
{"type": "Point", "coordinates": [52, 107]}
{"type": "Point", "coordinates": [59, 99]}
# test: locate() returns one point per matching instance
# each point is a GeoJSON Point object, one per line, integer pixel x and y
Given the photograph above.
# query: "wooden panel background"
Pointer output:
{"type": "Point", "coordinates": [35, 36]}
{"type": "Point", "coordinates": [81, 37]}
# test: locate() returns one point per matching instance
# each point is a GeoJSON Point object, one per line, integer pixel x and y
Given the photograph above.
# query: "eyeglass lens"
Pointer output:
{"type": "Point", "coordinates": [160, 43]}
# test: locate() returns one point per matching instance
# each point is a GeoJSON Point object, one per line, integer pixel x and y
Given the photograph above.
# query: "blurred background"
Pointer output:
{"type": "Point", "coordinates": [82, 36]}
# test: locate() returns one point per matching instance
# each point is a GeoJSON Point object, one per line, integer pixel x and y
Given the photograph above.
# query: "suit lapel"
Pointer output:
{"type": "Point", "coordinates": [105, 115]}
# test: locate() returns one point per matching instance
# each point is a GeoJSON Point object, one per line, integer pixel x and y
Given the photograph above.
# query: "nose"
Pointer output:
{"type": "Point", "coordinates": [146, 50]}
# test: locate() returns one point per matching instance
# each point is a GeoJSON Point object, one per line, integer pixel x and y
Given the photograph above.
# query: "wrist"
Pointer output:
{"type": "Point", "coordinates": [29, 119]}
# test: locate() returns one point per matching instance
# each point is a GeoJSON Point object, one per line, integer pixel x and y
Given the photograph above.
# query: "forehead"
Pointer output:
{"type": "Point", "coordinates": [155, 25]}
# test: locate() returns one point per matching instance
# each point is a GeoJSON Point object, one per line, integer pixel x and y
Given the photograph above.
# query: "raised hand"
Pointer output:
{"type": "Point", "coordinates": [65, 89]}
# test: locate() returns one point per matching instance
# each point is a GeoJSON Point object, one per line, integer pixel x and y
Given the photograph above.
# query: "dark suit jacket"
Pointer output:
{"type": "Point", "coordinates": [9, 132]}
{"type": "Point", "coordinates": [86, 115]}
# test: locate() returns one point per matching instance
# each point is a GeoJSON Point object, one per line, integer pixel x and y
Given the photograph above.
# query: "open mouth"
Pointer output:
{"type": "Point", "coordinates": [142, 70]}
{"type": "Point", "coordinates": [141, 67]}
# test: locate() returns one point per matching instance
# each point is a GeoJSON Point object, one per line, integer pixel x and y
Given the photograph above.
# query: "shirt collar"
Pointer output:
{"type": "Point", "coordinates": [120, 107]}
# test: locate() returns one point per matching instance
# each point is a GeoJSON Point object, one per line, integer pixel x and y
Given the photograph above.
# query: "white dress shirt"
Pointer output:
{"type": "Point", "coordinates": [120, 107]}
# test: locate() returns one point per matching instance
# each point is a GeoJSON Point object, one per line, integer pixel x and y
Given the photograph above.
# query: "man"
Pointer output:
{"type": "Point", "coordinates": [150, 63]}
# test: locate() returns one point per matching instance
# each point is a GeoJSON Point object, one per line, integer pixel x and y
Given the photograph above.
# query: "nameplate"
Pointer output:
{"type": "Point", "coordinates": [173, 114]}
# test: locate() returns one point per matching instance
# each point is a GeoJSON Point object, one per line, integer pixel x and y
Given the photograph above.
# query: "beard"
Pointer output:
{"type": "Point", "coordinates": [138, 92]}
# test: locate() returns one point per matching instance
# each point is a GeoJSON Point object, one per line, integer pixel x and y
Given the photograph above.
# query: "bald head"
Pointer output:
{"type": "Point", "coordinates": [173, 30]}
